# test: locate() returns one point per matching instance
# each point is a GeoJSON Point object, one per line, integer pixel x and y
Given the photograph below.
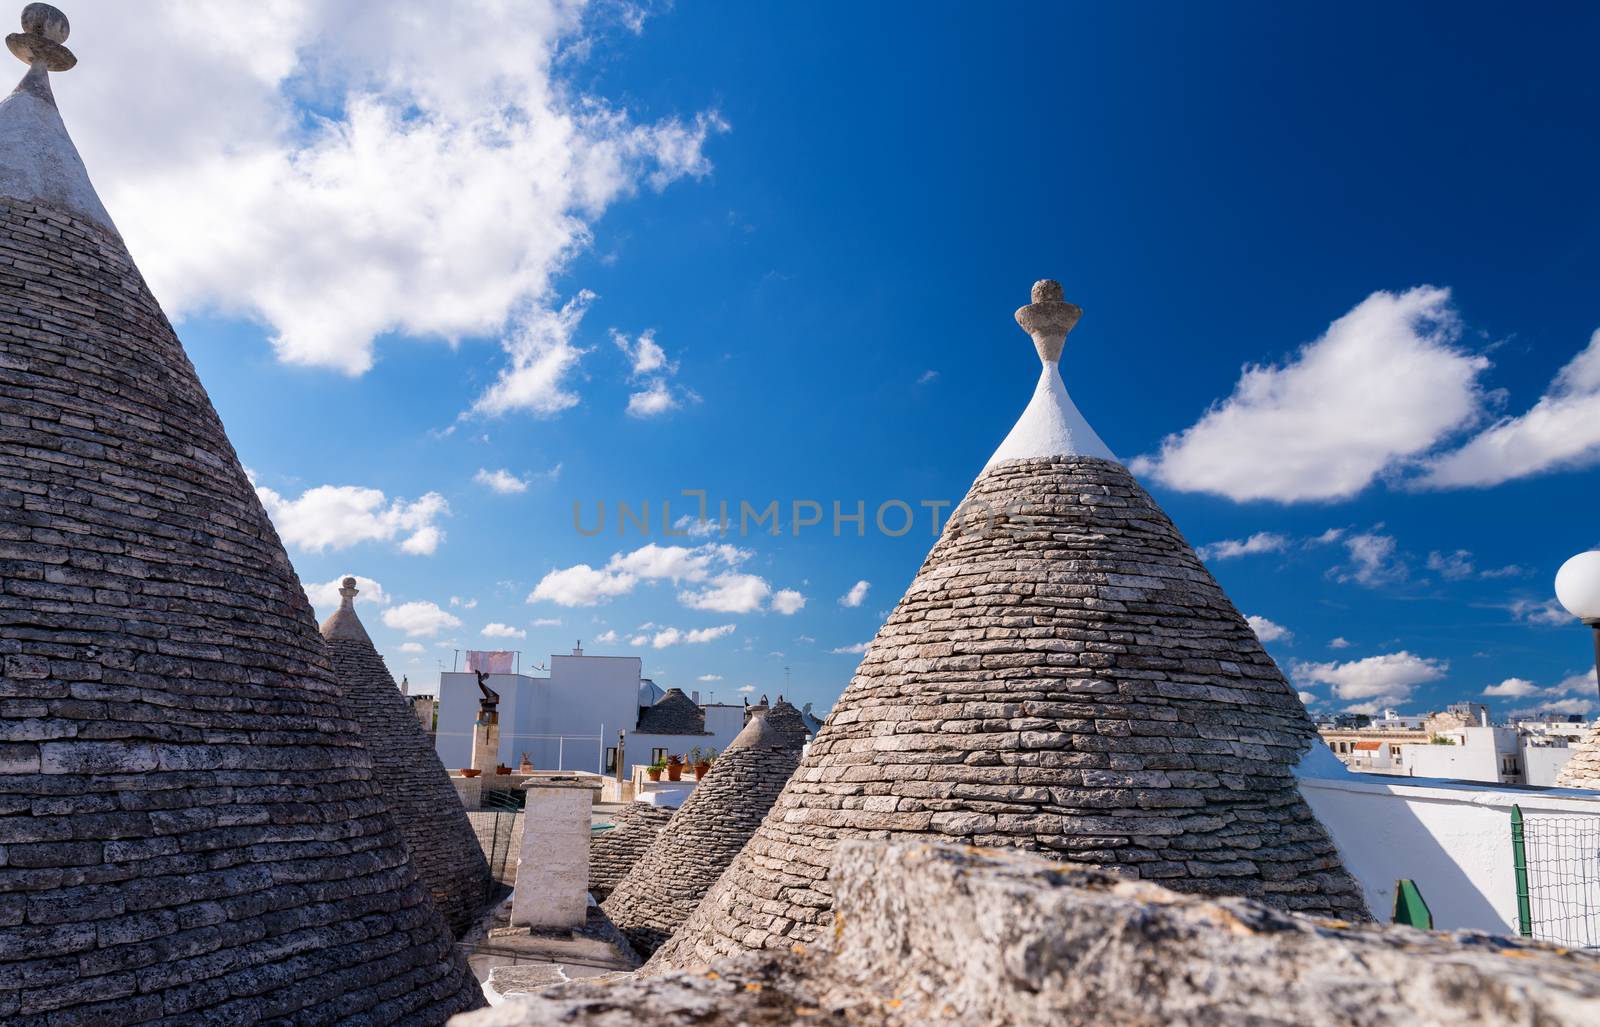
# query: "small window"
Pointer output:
{"type": "Point", "coordinates": [658, 755]}
{"type": "Point", "coordinates": [611, 759]}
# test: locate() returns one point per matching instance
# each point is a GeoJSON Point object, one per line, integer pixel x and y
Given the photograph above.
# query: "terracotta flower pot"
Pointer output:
{"type": "Point", "coordinates": [470, 772]}
{"type": "Point", "coordinates": [502, 770]}
{"type": "Point", "coordinates": [654, 775]}
{"type": "Point", "coordinates": [674, 771]}
{"type": "Point", "coordinates": [701, 770]}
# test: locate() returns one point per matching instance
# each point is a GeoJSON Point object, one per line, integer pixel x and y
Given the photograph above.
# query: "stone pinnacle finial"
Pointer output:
{"type": "Point", "coordinates": [1048, 319]}
{"type": "Point", "coordinates": [44, 29]}
{"type": "Point", "coordinates": [348, 591]}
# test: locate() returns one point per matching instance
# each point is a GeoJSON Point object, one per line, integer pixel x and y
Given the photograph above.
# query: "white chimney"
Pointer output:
{"type": "Point", "coordinates": [577, 650]}
{"type": "Point", "coordinates": [695, 695]}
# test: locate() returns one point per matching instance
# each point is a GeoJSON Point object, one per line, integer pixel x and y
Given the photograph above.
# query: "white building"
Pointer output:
{"type": "Point", "coordinates": [570, 719]}
{"type": "Point", "coordinates": [1478, 753]}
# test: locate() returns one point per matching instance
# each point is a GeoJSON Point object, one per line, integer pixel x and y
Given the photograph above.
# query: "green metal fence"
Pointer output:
{"type": "Point", "coordinates": [1557, 865]}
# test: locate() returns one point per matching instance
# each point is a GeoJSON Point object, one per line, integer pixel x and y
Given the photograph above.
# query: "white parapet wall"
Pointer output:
{"type": "Point", "coordinates": [552, 889]}
{"type": "Point", "coordinates": [1453, 839]}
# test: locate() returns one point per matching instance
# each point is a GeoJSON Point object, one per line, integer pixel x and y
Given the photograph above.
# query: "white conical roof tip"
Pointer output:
{"type": "Point", "coordinates": [1051, 425]}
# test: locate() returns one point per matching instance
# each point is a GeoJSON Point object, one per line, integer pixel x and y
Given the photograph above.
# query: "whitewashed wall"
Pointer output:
{"type": "Point", "coordinates": [1453, 839]}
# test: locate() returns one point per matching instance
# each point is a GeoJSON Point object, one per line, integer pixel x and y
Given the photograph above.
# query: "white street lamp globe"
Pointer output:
{"type": "Point", "coordinates": [1578, 586]}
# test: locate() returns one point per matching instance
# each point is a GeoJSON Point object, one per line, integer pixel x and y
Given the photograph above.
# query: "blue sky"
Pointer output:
{"type": "Point", "coordinates": [771, 251]}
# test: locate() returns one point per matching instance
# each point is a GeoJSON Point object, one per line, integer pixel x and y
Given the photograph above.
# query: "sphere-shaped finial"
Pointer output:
{"type": "Point", "coordinates": [348, 582]}
{"type": "Point", "coordinates": [1047, 290]}
{"type": "Point", "coordinates": [44, 29]}
{"type": "Point", "coordinates": [44, 20]}
{"type": "Point", "coordinates": [1048, 319]}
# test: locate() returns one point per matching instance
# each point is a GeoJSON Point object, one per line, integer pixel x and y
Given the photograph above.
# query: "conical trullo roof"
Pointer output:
{"type": "Point", "coordinates": [413, 782]}
{"type": "Point", "coordinates": [672, 714]}
{"type": "Point", "coordinates": [1583, 768]}
{"type": "Point", "coordinates": [613, 852]}
{"type": "Point", "coordinates": [1063, 675]}
{"type": "Point", "coordinates": [706, 833]}
{"type": "Point", "coordinates": [190, 827]}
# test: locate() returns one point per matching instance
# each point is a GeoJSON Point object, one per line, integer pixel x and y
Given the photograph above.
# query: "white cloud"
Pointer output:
{"type": "Point", "coordinates": [1339, 642]}
{"type": "Point", "coordinates": [465, 604]}
{"type": "Point", "coordinates": [648, 363]}
{"type": "Point", "coordinates": [747, 688]}
{"type": "Point", "coordinates": [676, 563]}
{"type": "Point", "coordinates": [1561, 430]}
{"type": "Point", "coordinates": [1386, 680]}
{"type": "Point", "coordinates": [1373, 561]}
{"type": "Point", "coordinates": [709, 677]}
{"type": "Point", "coordinates": [340, 516]}
{"type": "Point", "coordinates": [581, 585]}
{"type": "Point", "coordinates": [673, 636]}
{"type": "Point", "coordinates": [857, 649]}
{"type": "Point", "coordinates": [729, 593]}
{"type": "Point", "coordinates": [326, 595]}
{"type": "Point", "coordinates": [651, 401]}
{"type": "Point", "coordinates": [1382, 386]}
{"type": "Point", "coordinates": [413, 647]}
{"type": "Point", "coordinates": [1268, 631]}
{"type": "Point", "coordinates": [547, 622]}
{"type": "Point", "coordinates": [927, 377]}
{"type": "Point", "coordinates": [1306, 698]}
{"type": "Point", "coordinates": [338, 172]}
{"type": "Point", "coordinates": [1229, 548]}
{"type": "Point", "coordinates": [419, 619]}
{"type": "Point", "coordinates": [543, 357]}
{"type": "Point", "coordinates": [857, 594]}
{"type": "Point", "coordinates": [500, 480]}
{"type": "Point", "coordinates": [1545, 612]}
{"type": "Point", "coordinates": [607, 635]}
{"type": "Point", "coordinates": [1571, 707]}
{"type": "Point", "coordinates": [1513, 688]}
{"type": "Point", "coordinates": [498, 630]}
{"type": "Point", "coordinates": [1451, 566]}
{"type": "Point", "coordinates": [787, 601]}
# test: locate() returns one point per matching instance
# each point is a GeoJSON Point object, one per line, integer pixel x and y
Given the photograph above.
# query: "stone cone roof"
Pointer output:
{"type": "Point", "coordinates": [190, 827]}
{"type": "Point", "coordinates": [408, 773]}
{"type": "Point", "coordinates": [672, 714]}
{"type": "Point", "coordinates": [785, 719]}
{"type": "Point", "coordinates": [1583, 768]}
{"type": "Point", "coordinates": [706, 833]}
{"type": "Point", "coordinates": [1063, 675]}
{"type": "Point", "coordinates": [613, 853]}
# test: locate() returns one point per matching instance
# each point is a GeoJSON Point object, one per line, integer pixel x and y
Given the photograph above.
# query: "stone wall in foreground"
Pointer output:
{"type": "Point", "coordinates": [939, 934]}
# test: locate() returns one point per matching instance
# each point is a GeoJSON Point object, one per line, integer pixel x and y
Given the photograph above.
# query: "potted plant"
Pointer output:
{"type": "Point", "coordinates": [702, 760]}
{"type": "Point", "coordinates": [501, 768]}
{"type": "Point", "coordinates": [654, 770]}
{"type": "Point", "coordinates": [675, 767]}
{"type": "Point", "coordinates": [469, 771]}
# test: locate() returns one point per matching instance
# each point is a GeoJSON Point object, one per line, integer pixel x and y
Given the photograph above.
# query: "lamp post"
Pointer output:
{"type": "Point", "coordinates": [1578, 589]}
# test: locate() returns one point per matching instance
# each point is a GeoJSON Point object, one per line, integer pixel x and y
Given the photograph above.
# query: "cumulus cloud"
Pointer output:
{"type": "Point", "coordinates": [1451, 566]}
{"type": "Point", "coordinates": [1514, 688]}
{"type": "Point", "coordinates": [710, 567]}
{"type": "Point", "coordinates": [649, 366]}
{"type": "Point", "coordinates": [1382, 386]}
{"type": "Point", "coordinates": [1306, 698]}
{"type": "Point", "coordinates": [413, 647]}
{"type": "Point", "coordinates": [326, 595]}
{"type": "Point", "coordinates": [1573, 707]}
{"type": "Point", "coordinates": [465, 604]}
{"type": "Point", "coordinates": [853, 650]}
{"type": "Point", "coordinates": [1268, 631]}
{"type": "Point", "coordinates": [709, 677]}
{"type": "Point", "coordinates": [340, 516]}
{"type": "Point", "coordinates": [1339, 642]}
{"type": "Point", "coordinates": [787, 601]}
{"type": "Point", "coordinates": [420, 619]}
{"type": "Point", "coordinates": [1569, 695]}
{"type": "Point", "coordinates": [747, 688]}
{"type": "Point", "coordinates": [500, 480]}
{"type": "Point", "coordinates": [547, 622]}
{"type": "Point", "coordinates": [607, 635]}
{"type": "Point", "coordinates": [664, 637]}
{"type": "Point", "coordinates": [1231, 548]}
{"type": "Point", "coordinates": [1561, 430]}
{"type": "Point", "coordinates": [857, 594]}
{"type": "Point", "coordinates": [498, 630]}
{"type": "Point", "coordinates": [422, 194]}
{"type": "Point", "coordinates": [1385, 680]}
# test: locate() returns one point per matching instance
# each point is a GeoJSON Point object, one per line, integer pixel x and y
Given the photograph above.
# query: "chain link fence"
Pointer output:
{"type": "Point", "coordinates": [1557, 865]}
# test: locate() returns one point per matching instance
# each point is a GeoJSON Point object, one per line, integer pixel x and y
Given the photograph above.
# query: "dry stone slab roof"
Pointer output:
{"type": "Point", "coordinates": [613, 853]}
{"type": "Point", "coordinates": [936, 934]}
{"type": "Point", "coordinates": [190, 831]}
{"type": "Point", "coordinates": [707, 832]}
{"type": "Point", "coordinates": [672, 714]}
{"type": "Point", "coordinates": [1583, 768]}
{"type": "Point", "coordinates": [413, 782]}
{"type": "Point", "coordinates": [1063, 675]}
